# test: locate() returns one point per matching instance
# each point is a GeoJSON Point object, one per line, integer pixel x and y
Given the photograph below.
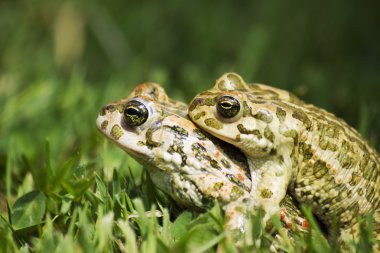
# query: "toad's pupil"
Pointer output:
{"type": "Point", "coordinates": [132, 111]}
{"type": "Point", "coordinates": [226, 105]}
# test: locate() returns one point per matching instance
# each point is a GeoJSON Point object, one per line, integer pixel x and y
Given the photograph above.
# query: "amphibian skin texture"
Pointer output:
{"type": "Point", "coordinates": [294, 147]}
{"type": "Point", "coordinates": [189, 165]}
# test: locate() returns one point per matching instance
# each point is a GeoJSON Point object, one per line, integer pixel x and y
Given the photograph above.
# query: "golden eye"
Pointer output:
{"type": "Point", "coordinates": [135, 113]}
{"type": "Point", "coordinates": [228, 106]}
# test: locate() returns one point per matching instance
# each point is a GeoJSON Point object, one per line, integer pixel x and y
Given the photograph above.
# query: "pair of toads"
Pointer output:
{"type": "Point", "coordinates": [249, 146]}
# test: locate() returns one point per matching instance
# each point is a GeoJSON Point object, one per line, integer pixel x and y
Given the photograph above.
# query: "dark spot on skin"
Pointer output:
{"type": "Point", "coordinates": [180, 134]}
{"type": "Point", "coordinates": [305, 150]}
{"type": "Point", "coordinates": [149, 139]}
{"type": "Point", "coordinates": [244, 130]}
{"type": "Point", "coordinates": [268, 134]}
{"type": "Point", "coordinates": [292, 134]}
{"type": "Point", "coordinates": [239, 209]}
{"type": "Point", "coordinates": [326, 132]}
{"type": "Point", "coordinates": [323, 143]}
{"type": "Point", "coordinates": [104, 124]}
{"type": "Point", "coordinates": [246, 200]}
{"type": "Point", "coordinates": [369, 192]}
{"type": "Point", "coordinates": [194, 104]}
{"type": "Point", "coordinates": [119, 107]}
{"type": "Point", "coordinates": [332, 132]}
{"type": "Point", "coordinates": [376, 226]}
{"type": "Point", "coordinates": [273, 152]}
{"type": "Point", "coordinates": [177, 147]}
{"type": "Point", "coordinates": [346, 146]}
{"type": "Point", "coordinates": [116, 132]}
{"type": "Point", "coordinates": [107, 108]}
{"type": "Point", "coordinates": [317, 199]}
{"type": "Point", "coordinates": [281, 114]}
{"type": "Point", "coordinates": [331, 146]}
{"type": "Point", "coordinates": [201, 102]}
{"type": "Point", "coordinates": [199, 115]}
{"type": "Point", "coordinates": [226, 163]}
{"type": "Point", "coordinates": [372, 170]}
{"type": "Point", "coordinates": [263, 115]}
{"type": "Point", "coordinates": [201, 154]}
{"type": "Point", "coordinates": [199, 150]}
{"type": "Point", "coordinates": [319, 169]}
{"type": "Point", "coordinates": [246, 109]}
{"type": "Point", "coordinates": [301, 116]}
{"type": "Point", "coordinates": [213, 123]}
{"type": "Point", "coordinates": [364, 162]}
{"type": "Point", "coordinates": [344, 159]}
{"type": "Point", "coordinates": [199, 134]}
{"type": "Point", "coordinates": [214, 163]}
{"type": "Point", "coordinates": [217, 186]}
{"type": "Point", "coordinates": [355, 178]}
{"type": "Point", "coordinates": [102, 111]}
{"type": "Point", "coordinates": [236, 181]}
{"type": "Point", "coordinates": [266, 193]}
{"type": "Point", "coordinates": [178, 131]}
{"type": "Point", "coordinates": [236, 192]}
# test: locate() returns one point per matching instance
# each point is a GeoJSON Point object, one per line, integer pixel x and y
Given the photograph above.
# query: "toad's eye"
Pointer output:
{"type": "Point", "coordinates": [135, 113]}
{"type": "Point", "coordinates": [227, 106]}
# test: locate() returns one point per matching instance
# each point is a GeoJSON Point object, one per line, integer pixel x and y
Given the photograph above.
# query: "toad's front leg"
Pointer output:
{"type": "Point", "coordinates": [270, 179]}
{"type": "Point", "coordinates": [239, 228]}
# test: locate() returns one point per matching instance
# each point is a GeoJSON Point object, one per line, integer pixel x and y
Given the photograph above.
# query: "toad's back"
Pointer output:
{"type": "Point", "coordinates": [336, 171]}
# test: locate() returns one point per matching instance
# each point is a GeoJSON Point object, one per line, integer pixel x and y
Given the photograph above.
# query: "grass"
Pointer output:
{"type": "Point", "coordinates": [75, 207]}
{"type": "Point", "coordinates": [64, 188]}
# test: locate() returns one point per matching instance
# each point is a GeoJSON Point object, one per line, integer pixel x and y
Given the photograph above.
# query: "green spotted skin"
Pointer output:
{"type": "Point", "coordinates": [297, 148]}
{"type": "Point", "coordinates": [192, 167]}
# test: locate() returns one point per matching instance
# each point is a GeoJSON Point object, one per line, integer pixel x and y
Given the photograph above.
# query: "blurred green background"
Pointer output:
{"type": "Point", "coordinates": [60, 61]}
